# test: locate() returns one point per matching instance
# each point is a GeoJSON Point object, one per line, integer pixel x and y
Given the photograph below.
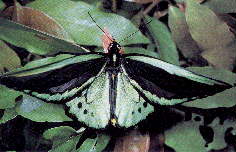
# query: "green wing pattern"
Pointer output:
{"type": "Point", "coordinates": [92, 106]}
{"type": "Point", "coordinates": [167, 84]}
{"type": "Point", "coordinates": [57, 79]}
{"type": "Point", "coordinates": [131, 108]}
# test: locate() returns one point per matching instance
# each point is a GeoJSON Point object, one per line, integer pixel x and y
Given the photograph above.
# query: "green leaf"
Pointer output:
{"type": "Point", "coordinates": [162, 38]}
{"type": "Point", "coordinates": [180, 33]}
{"type": "Point", "coordinates": [186, 137]}
{"type": "Point", "coordinates": [65, 138]}
{"type": "Point", "coordinates": [226, 98]}
{"type": "Point", "coordinates": [102, 142]}
{"type": "Point", "coordinates": [218, 44]}
{"type": "Point", "coordinates": [221, 6]}
{"type": "Point", "coordinates": [152, 47]}
{"type": "Point", "coordinates": [219, 74]}
{"type": "Point", "coordinates": [73, 16]}
{"type": "Point", "coordinates": [218, 6]}
{"type": "Point", "coordinates": [2, 5]}
{"type": "Point", "coordinates": [8, 58]}
{"type": "Point", "coordinates": [59, 135]}
{"type": "Point", "coordinates": [68, 145]}
{"type": "Point", "coordinates": [39, 111]}
{"type": "Point", "coordinates": [34, 41]}
{"type": "Point", "coordinates": [59, 132]}
{"type": "Point", "coordinates": [219, 132]}
{"type": "Point", "coordinates": [88, 145]}
{"type": "Point", "coordinates": [8, 97]}
{"type": "Point", "coordinates": [97, 144]}
{"type": "Point", "coordinates": [181, 1]}
{"type": "Point", "coordinates": [92, 2]}
{"type": "Point", "coordinates": [8, 115]}
{"type": "Point", "coordinates": [8, 61]}
{"type": "Point", "coordinates": [141, 51]}
{"type": "Point", "coordinates": [45, 64]}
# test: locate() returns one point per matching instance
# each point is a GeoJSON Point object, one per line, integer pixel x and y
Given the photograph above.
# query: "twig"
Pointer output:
{"type": "Point", "coordinates": [151, 6]}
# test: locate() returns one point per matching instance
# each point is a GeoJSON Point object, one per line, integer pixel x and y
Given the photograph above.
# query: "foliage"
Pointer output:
{"type": "Point", "coordinates": [197, 33]}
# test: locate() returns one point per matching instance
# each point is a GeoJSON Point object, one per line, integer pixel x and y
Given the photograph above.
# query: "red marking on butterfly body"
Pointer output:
{"type": "Point", "coordinates": [107, 40]}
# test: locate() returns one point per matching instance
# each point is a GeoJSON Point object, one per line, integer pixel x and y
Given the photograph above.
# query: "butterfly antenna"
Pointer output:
{"type": "Point", "coordinates": [134, 32]}
{"type": "Point", "coordinates": [98, 26]}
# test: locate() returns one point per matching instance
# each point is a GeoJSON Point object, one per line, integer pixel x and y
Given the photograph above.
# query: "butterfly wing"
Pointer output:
{"type": "Point", "coordinates": [167, 84]}
{"type": "Point", "coordinates": [60, 79]}
{"type": "Point", "coordinates": [131, 108]}
{"type": "Point", "coordinates": [92, 106]}
{"type": "Point", "coordinates": [78, 81]}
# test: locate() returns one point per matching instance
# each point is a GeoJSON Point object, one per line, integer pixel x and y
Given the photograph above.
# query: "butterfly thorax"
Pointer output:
{"type": "Point", "coordinates": [114, 54]}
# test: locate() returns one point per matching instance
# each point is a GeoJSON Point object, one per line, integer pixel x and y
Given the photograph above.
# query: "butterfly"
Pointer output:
{"type": "Point", "coordinates": [110, 88]}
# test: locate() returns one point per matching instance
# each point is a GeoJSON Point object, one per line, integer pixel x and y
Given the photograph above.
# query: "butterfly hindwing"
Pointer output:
{"type": "Point", "coordinates": [55, 81]}
{"type": "Point", "coordinates": [92, 105]}
{"type": "Point", "coordinates": [131, 108]}
{"type": "Point", "coordinates": [167, 84]}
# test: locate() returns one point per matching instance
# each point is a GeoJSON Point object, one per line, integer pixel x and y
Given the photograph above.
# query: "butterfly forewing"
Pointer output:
{"type": "Point", "coordinates": [167, 84]}
{"type": "Point", "coordinates": [131, 108]}
{"type": "Point", "coordinates": [55, 81]}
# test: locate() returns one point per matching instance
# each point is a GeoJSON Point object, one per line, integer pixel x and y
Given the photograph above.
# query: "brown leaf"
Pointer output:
{"type": "Point", "coordinates": [36, 20]}
{"type": "Point", "coordinates": [157, 141]}
{"type": "Point", "coordinates": [134, 141]}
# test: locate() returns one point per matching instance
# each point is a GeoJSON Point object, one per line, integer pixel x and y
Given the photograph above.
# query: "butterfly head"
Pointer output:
{"type": "Point", "coordinates": [110, 45]}
{"type": "Point", "coordinates": [114, 48]}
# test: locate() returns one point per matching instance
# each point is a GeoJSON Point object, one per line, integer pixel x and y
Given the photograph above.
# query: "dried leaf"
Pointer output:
{"type": "Point", "coordinates": [36, 20]}
{"type": "Point", "coordinates": [134, 141]}
{"type": "Point", "coordinates": [157, 142]}
{"type": "Point", "coordinates": [212, 35]}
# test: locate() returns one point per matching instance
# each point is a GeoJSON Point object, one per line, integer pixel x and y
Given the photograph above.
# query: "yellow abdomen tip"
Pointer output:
{"type": "Point", "coordinates": [113, 122]}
